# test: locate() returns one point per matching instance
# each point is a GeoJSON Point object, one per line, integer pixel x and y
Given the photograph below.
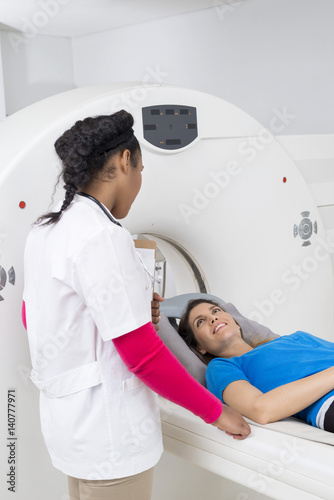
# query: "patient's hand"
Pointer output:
{"type": "Point", "coordinates": [232, 423]}
{"type": "Point", "coordinates": [155, 308]}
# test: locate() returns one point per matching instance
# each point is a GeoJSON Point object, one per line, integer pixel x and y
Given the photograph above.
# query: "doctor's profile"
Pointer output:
{"type": "Point", "coordinates": [86, 288]}
{"type": "Point", "coordinates": [265, 380]}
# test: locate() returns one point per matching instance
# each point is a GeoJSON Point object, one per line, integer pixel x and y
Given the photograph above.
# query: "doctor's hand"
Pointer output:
{"type": "Point", "coordinates": [155, 308]}
{"type": "Point", "coordinates": [232, 423]}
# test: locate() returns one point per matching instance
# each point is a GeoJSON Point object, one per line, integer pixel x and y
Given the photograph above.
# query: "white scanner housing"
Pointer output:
{"type": "Point", "coordinates": [231, 214]}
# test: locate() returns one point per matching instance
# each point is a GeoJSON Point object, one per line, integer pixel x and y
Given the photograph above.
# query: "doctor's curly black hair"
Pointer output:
{"type": "Point", "coordinates": [86, 150]}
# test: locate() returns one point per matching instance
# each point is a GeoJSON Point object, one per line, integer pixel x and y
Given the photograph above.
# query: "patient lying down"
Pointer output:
{"type": "Point", "coordinates": [292, 375]}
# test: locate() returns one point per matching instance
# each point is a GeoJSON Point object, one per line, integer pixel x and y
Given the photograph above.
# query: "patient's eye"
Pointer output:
{"type": "Point", "coordinates": [216, 309]}
{"type": "Point", "coordinates": [199, 322]}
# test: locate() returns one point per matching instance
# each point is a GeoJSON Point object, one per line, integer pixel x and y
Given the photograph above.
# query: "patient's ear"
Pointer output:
{"type": "Point", "coordinates": [200, 350]}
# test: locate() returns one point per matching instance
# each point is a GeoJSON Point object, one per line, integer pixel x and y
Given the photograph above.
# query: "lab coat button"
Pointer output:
{"type": "Point", "coordinates": [147, 287]}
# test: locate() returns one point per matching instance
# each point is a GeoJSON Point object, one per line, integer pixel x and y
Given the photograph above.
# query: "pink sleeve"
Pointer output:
{"type": "Point", "coordinates": [23, 314]}
{"type": "Point", "coordinates": [150, 360]}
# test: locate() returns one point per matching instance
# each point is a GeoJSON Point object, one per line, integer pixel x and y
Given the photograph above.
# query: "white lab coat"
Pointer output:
{"type": "Point", "coordinates": [84, 286]}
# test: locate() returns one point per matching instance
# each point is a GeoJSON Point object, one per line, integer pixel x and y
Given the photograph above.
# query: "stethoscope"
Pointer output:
{"type": "Point", "coordinates": [103, 208]}
{"type": "Point", "coordinates": [110, 217]}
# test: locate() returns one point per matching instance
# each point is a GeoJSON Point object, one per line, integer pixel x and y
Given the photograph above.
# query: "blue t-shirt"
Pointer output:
{"type": "Point", "coordinates": [285, 359]}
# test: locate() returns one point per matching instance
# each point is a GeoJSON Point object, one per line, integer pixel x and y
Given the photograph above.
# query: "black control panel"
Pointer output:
{"type": "Point", "coordinates": [170, 126]}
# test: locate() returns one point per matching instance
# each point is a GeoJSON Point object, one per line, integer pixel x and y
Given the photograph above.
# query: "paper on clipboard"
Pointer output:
{"type": "Point", "coordinates": [147, 252]}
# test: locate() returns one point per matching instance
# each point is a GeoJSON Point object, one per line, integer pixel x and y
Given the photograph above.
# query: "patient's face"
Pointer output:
{"type": "Point", "coordinates": [213, 328]}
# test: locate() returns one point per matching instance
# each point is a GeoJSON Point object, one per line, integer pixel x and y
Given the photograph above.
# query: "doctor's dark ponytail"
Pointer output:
{"type": "Point", "coordinates": [87, 148]}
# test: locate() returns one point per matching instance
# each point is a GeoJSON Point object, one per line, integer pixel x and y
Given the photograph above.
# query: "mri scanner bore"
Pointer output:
{"type": "Point", "coordinates": [93, 289]}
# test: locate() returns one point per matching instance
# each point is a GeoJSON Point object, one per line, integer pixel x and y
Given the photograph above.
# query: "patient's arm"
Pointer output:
{"type": "Point", "coordinates": [281, 402]}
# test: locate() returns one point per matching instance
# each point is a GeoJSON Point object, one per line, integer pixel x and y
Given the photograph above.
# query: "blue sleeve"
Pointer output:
{"type": "Point", "coordinates": [220, 373]}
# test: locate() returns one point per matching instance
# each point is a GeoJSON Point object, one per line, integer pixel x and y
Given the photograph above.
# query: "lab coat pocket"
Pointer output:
{"type": "Point", "coordinates": [71, 404]}
{"type": "Point", "coordinates": [71, 381]}
{"type": "Point", "coordinates": [142, 413]}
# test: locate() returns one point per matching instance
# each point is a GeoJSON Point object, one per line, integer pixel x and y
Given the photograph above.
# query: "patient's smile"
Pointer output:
{"type": "Point", "coordinates": [219, 326]}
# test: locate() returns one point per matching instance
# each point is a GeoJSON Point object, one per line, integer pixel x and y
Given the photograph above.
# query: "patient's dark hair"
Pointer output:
{"type": "Point", "coordinates": [86, 151]}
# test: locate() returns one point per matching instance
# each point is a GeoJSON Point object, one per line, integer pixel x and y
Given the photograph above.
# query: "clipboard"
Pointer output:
{"type": "Point", "coordinates": [147, 251]}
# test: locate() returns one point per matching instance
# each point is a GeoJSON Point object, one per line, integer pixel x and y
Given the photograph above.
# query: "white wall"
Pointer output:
{"type": "Point", "coordinates": [266, 57]}
{"type": "Point", "coordinates": [2, 91]}
{"type": "Point", "coordinates": [260, 55]}
{"type": "Point", "coordinates": [34, 68]}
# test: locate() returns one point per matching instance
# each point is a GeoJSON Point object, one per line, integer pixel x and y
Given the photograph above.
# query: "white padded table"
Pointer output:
{"type": "Point", "coordinates": [283, 460]}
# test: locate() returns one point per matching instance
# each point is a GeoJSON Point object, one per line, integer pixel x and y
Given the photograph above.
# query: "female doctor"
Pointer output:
{"type": "Point", "coordinates": [95, 354]}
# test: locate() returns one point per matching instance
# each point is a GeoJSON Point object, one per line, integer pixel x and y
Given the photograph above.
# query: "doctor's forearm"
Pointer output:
{"type": "Point", "coordinates": [291, 398]}
{"type": "Point", "coordinates": [148, 358]}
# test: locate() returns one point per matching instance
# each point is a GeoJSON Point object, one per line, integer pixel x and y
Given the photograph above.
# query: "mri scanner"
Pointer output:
{"type": "Point", "coordinates": [233, 216]}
